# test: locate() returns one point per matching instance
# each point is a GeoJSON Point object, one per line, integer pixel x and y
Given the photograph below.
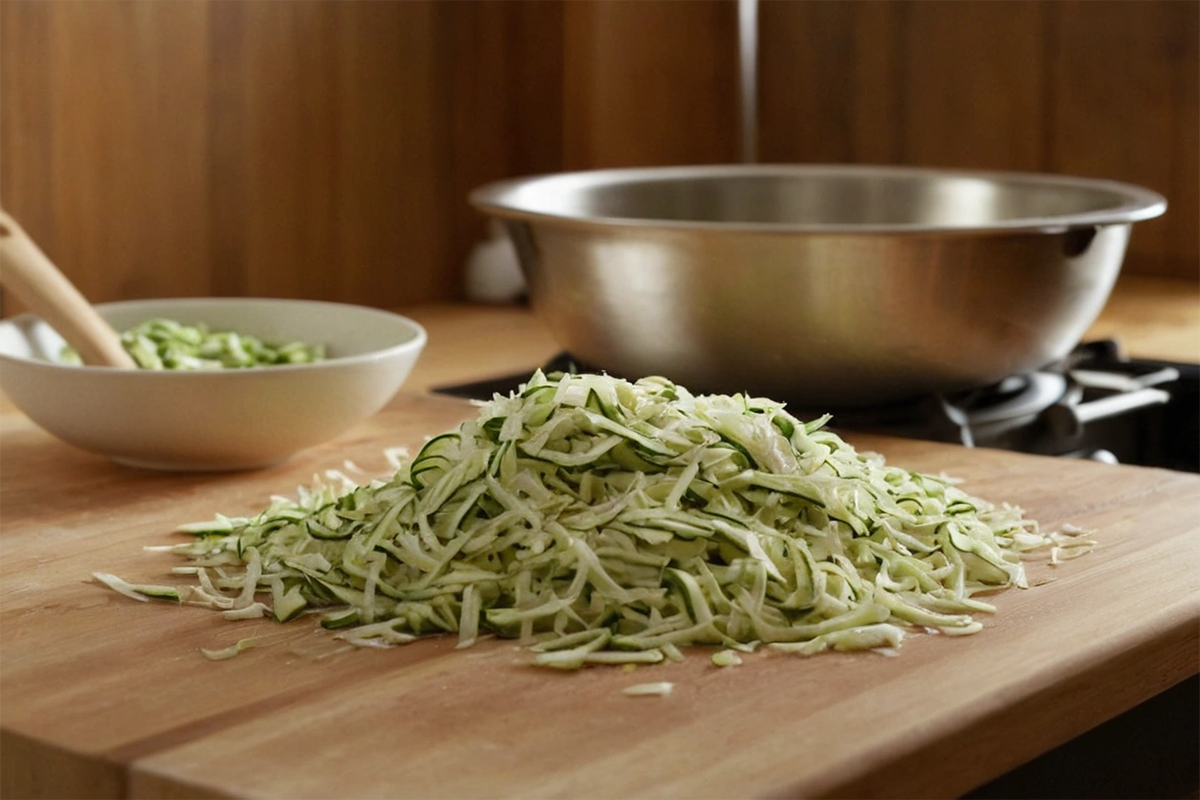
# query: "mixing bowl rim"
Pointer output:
{"type": "Point", "coordinates": [1138, 203]}
{"type": "Point", "coordinates": [415, 344]}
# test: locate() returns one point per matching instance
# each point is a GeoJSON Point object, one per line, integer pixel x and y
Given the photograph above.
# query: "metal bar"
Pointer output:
{"type": "Point", "coordinates": [748, 69]}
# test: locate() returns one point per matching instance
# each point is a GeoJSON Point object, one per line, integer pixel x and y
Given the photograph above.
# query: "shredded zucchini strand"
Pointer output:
{"type": "Point", "coordinates": [604, 521]}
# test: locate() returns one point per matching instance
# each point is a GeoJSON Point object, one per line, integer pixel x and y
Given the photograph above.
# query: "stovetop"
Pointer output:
{"type": "Point", "coordinates": [1094, 404]}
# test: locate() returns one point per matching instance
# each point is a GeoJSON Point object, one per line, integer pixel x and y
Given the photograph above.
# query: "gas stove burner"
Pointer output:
{"type": "Point", "coordinates": [1018, 396]}
{"type": "Point", "coordinates": [974, 417]}
{"type": "Point", "coordinates": [1012, 403]}
{"type": "Point", "coordinates": [1047, 411]}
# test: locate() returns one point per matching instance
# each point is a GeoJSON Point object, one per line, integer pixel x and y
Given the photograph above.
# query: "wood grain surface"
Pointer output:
{"type": "Point", "coordinates": [104, 696]}
{"type": "Point", "coordinates": [1156, 318]}
{"type": "Point", "coordinates": [325, 150]}
{"type": "Point", "coordinates": [652, 82]}
{"type": "Point", "coordinates": [1102, 89]}
{"type": "Point", "coordinates": [300, 149]}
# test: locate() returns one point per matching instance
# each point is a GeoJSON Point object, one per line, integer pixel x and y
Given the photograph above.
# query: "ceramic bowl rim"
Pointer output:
{"type": "Point", "coordinates": [416, 343]}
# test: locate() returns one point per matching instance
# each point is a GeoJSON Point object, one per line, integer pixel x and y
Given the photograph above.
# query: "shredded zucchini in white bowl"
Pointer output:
{"type": "Point", "coordinates": [601, 521]}
{"type": "Point", "coordinates": [222, 383]}
{"type": "Point", "coordinates": [164, 344]}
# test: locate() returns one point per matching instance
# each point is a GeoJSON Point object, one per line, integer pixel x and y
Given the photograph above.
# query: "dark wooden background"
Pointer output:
{"type": "Point", "coordinates": [315, 148]}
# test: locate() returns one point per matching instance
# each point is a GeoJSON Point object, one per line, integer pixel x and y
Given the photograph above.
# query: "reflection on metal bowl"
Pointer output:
{"type": "Point", "coordinates": [834, 285]}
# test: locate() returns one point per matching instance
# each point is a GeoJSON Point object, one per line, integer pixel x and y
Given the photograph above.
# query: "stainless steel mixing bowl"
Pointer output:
{"type": "Point", "coordinates": [826, 286]}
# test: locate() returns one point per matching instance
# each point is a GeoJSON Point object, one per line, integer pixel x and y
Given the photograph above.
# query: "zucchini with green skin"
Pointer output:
{"type": "Point", "coordinates": [164, 344]}
{"type": "Point", "coordinates": [603, 521]}
{"type": "Point", "coordinates": [137, 591]}
{"type": "Point", "coordinates": [726, 658]}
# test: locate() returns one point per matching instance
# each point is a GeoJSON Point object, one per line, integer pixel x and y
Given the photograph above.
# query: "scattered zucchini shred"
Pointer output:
{"type": "Point", "coordinates": [660, 689]}
{"type": "Point", "coordinates": [601, 521]}
{"type": "Point", "coordinates": [228, 652]}
{"type": "Point", "coordinates": [726, 658]}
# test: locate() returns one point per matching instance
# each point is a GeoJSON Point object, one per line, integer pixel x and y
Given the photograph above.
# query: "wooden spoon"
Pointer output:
{"type": "Point", "coordinates": [32, 277]}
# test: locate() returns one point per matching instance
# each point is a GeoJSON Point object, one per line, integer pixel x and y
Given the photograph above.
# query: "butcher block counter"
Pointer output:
{"type": "Point", "coordinates": [101, 696]}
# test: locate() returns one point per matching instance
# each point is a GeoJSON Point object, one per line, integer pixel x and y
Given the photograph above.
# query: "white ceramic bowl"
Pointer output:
{"type": "Point", "coordinates": [221, 419]}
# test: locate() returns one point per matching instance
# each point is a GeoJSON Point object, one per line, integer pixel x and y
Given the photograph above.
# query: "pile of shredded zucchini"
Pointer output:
{"type": "Point", "coordinates": [603, 521]}
{"type": "Point", "coordinates": [166, 344]}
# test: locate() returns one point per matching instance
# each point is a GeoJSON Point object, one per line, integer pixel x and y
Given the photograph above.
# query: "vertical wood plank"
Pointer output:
{"type": "Point", "coordinates": [1113, 106]}
{"type": "Point", "coordinates": [535, 40]}
{"type": "Point", "coordinates": [7, 84]}
{"type": "Point", "coordinates": [829, 78]}
{"type": "Point", "coordinates": [26, 123]}
{"type": "Point", "coordinates": [347, 141]}
{"type": "Point", "coordinates": [651, 82]}
{"type": "Point", "coordinates": [506, 100]}
{"type": "Point", "coordinates": [877, 73]}
{"type": "Point", "coordinates": [290, 143]}
{"type": "Point", "coordinates": [805, 95]}
{"type": "Point", "coordinates": [1183, 53]}
{"type": "Point", "coordinates": [974, 84]}
{"type": "Point", "coordinates": [955, 83]}
{"type": "Point", "coordinates": [226, 158]}
{"type": "Point", "coordinates": [128, 146]}
{"type": "Point", "coordinates": [394, 154]}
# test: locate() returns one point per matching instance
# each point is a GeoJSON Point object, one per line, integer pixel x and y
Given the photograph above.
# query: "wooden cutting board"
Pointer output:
{"type": "Point", "coordinates": [104, 696]}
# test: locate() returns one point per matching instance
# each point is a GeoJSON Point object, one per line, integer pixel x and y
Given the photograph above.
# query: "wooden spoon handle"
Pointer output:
{"type": "Point", "coordinates": [32, 277]}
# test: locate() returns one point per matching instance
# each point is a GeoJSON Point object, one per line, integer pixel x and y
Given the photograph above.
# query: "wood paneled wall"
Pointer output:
{"type": "Point", "coordinates": [1100, 88]}
{"type": "Point", "coordinates": [324, 149]}
{"type": "Point", "coordinates": [310, 149]}
{"type": "Point", "coordinates": [650, 82]}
